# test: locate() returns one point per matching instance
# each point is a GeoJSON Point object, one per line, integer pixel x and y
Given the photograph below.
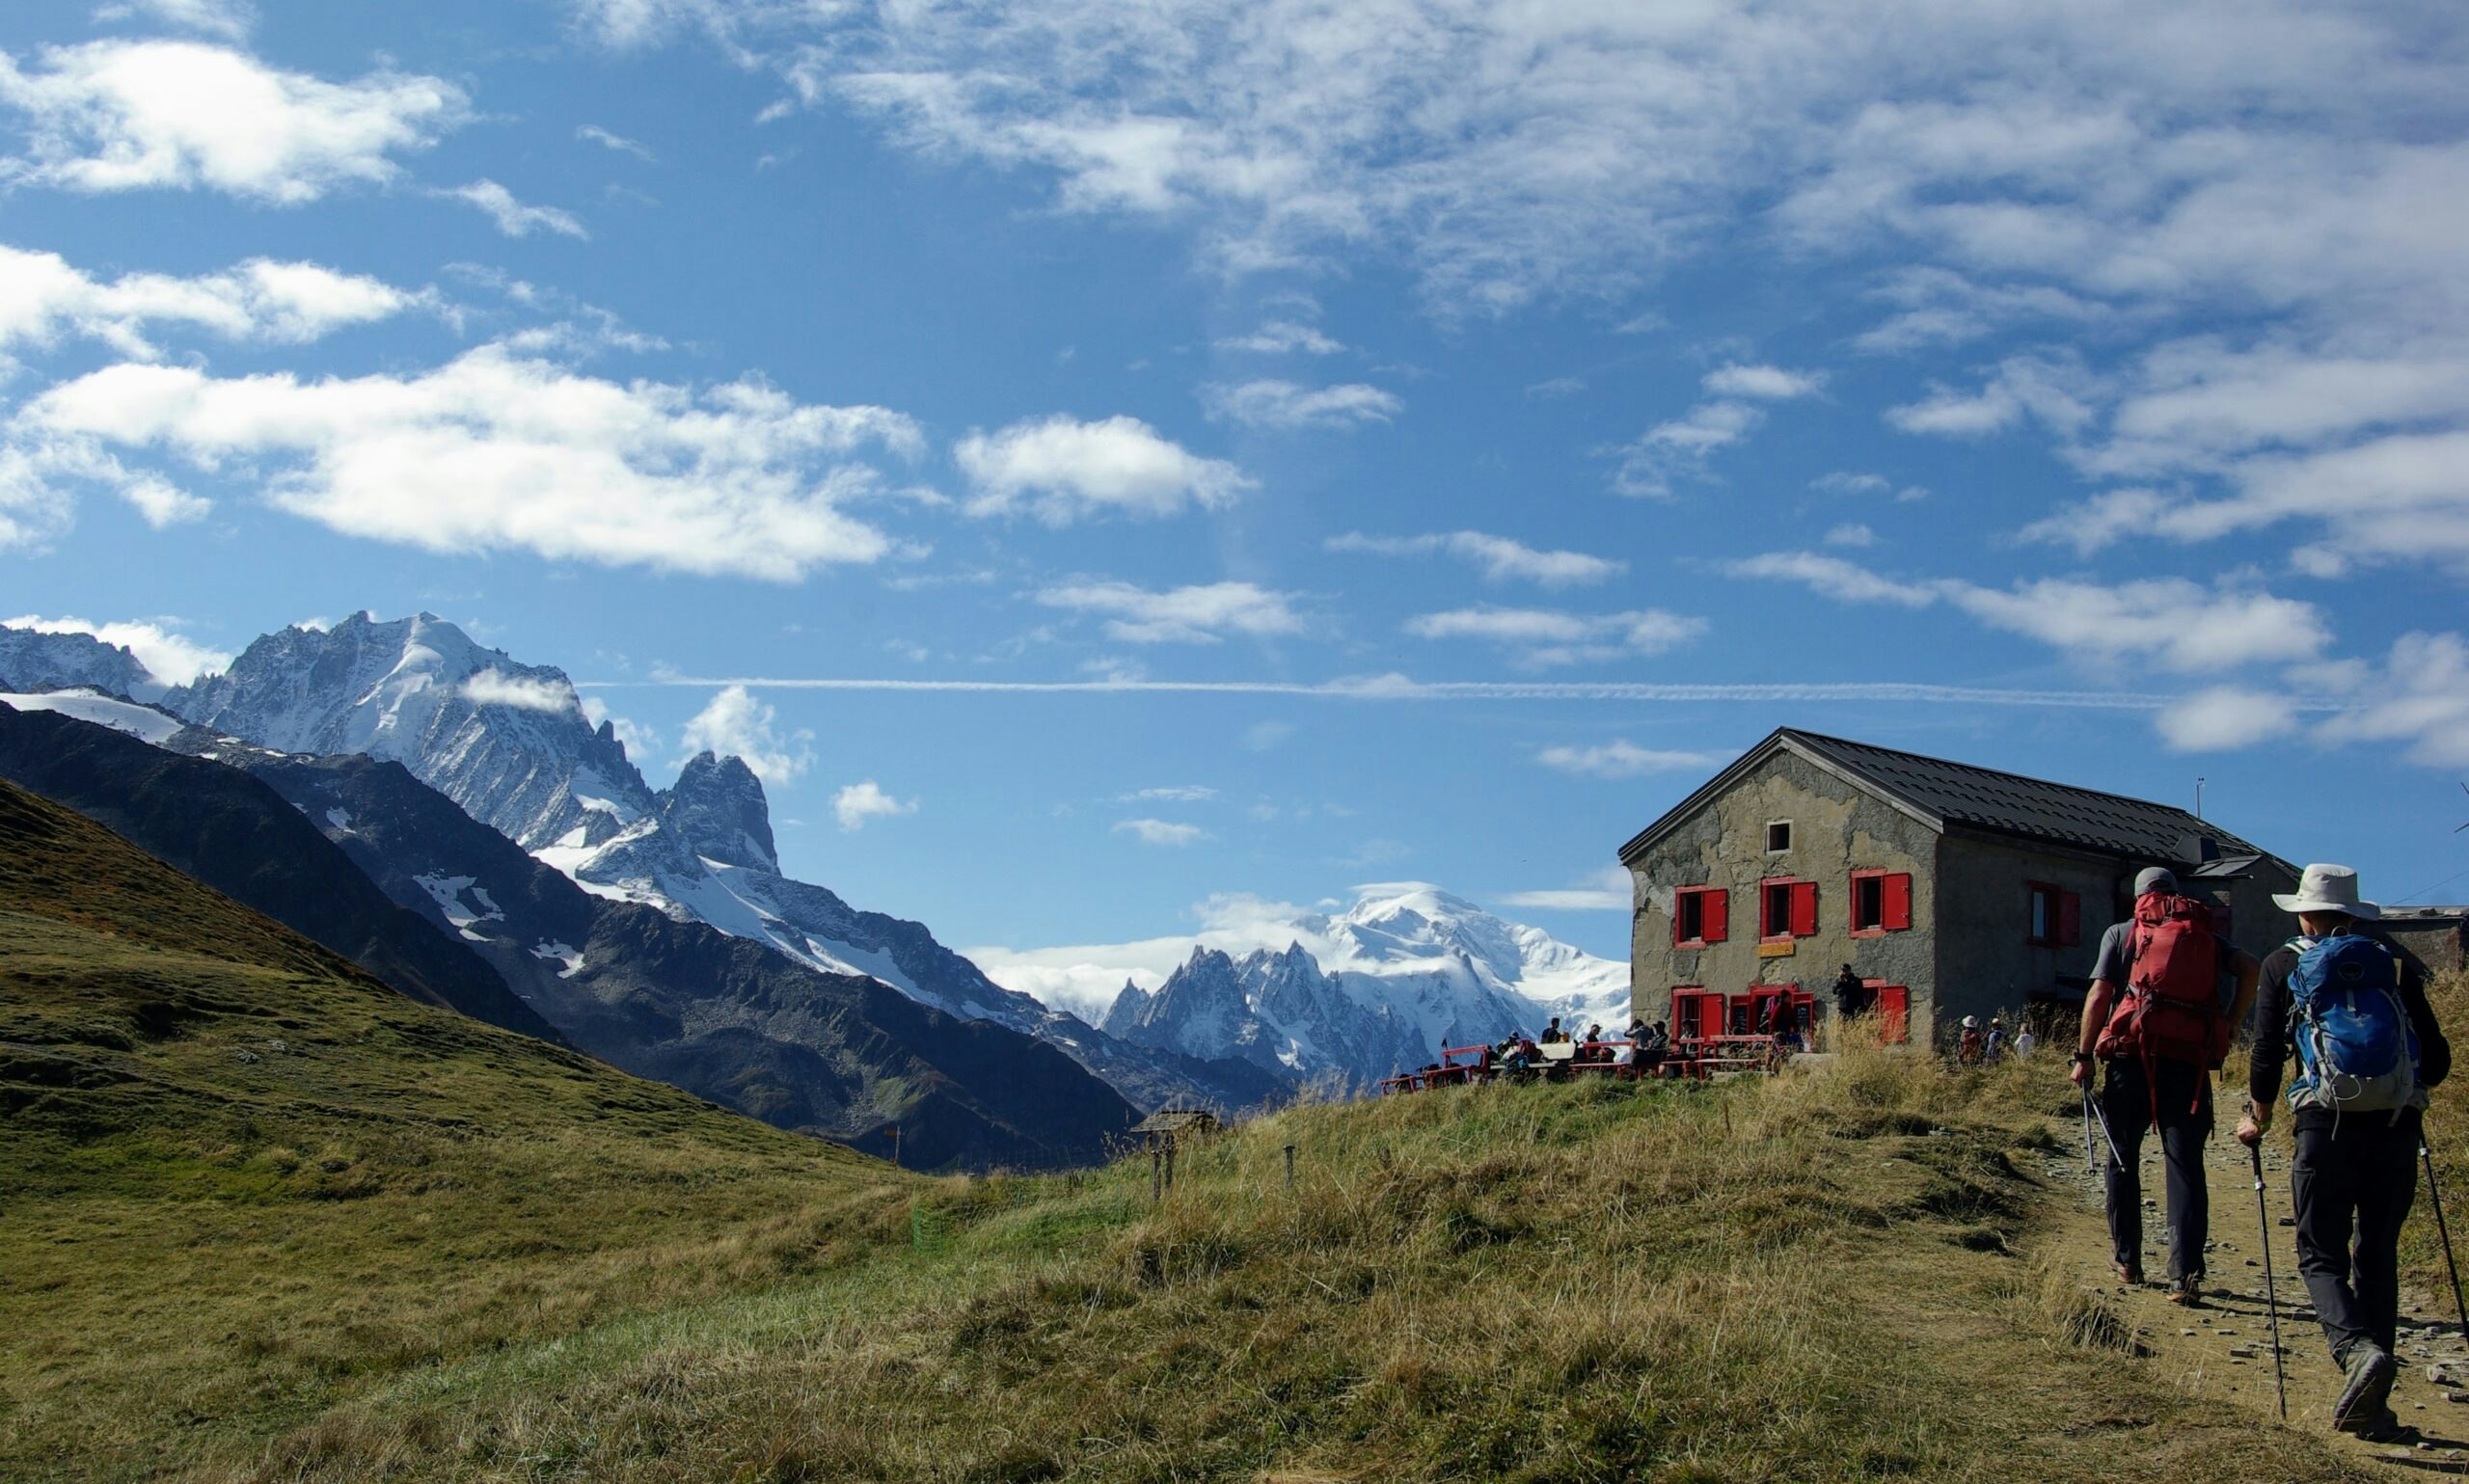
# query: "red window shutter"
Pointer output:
{"type": "Point", "coordinates": [2070, 918]}
{"type": "Point", "coordinates": [1718, 908]}
{"type": "Point", "coordinates": [1895, 897]}
{"type": "Point", "coordinates": [1679, 905]}
{"type": "Point", "coordinates": [1804, 908]}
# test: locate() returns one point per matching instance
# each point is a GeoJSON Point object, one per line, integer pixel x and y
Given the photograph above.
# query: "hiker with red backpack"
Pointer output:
{"type": "Point", "coordinates": [2168, 991]}
{"type": "Point", "coordinates": [2368, 1047]}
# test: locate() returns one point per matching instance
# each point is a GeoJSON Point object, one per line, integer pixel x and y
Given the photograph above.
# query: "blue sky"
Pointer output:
{"type": "Point", "coordinates": [1516, 410]}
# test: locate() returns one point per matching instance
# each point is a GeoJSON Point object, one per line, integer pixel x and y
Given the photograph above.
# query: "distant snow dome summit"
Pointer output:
{"type": "Point", "coordinates": [1405, 971]}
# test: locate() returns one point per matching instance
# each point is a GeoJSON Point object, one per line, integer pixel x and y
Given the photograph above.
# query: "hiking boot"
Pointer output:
{"type": "Point", "coordinates": [2128, 1273]}
{"type": "Point", "coordinates": [2382, 1425]}
{"type": "Point", "coordinates": [2186, 1291]}
{"type": "Point", "coordinates": [2369, 1372]}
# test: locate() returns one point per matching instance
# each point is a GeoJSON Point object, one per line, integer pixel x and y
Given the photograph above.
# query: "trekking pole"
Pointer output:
{"type": "Point", "coordinates": [2444, 1232]}
{"type": "Point", "coordinates": [2107, 1137]}
{"type": "Point", "coordinates": [2091, 1166]}
{"type": "Point", "coordinates": [2271, 1290]}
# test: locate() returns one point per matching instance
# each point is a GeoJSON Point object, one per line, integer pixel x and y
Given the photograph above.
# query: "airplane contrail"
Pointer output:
{"type": "Point", "coordinates": [1399, 687]}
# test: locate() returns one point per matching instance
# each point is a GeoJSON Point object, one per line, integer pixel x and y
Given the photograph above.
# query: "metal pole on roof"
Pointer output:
{"type": "Point", "coordinates": [2198, 798]}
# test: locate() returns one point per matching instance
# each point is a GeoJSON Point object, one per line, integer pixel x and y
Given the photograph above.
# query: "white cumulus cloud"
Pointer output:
{"type": "Point", "coordinates": [497, 450]}
{"type": "Point", "coordinates": [513, 217]}
{"type": "Point", "coordinates": [859, 802]}
{"type": "Point", "coordinates": [1765, 382]}
{"type": "Point", "coordinates": [1283, 336]}
{"type": "Point", "coordinates": [2223, 718]}
{"type": "Point", "coordinates": [1160, 831]}
{"type": "Point", "coordinates": [1499, 558]}
{"type": "Point", "coordinates": [733, 723]}
{"type": "Point", "coordinates": [119, 115]}
{"type": "Point", "coordinates": [1282, 404]}
{"type": "Point", "coordinates": [494, 686]}
{"type": "Point", "coordinates": [1622, 759]}
{"type": "Point", "coordinates": [1549, 637]}
{"type": "Point", "coordinates": [1061, 470]}
{"type": "Point", "coordinates": [1200, 615]}
{"type": "Point", "coordinates": [43, 298]}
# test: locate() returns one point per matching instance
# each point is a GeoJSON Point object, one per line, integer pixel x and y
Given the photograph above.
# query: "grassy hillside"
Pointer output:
{"type": "Point", "coordinates": [404, 1247]}
{"type": "Point", "coordinates": [240, 1180]}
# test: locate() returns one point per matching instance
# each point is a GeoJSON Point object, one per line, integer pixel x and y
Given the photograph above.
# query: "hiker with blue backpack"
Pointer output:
{"type": "Point", "coordinates": [2167, 993]}
{"type": "Point", "coordinates": [2355, 1010]}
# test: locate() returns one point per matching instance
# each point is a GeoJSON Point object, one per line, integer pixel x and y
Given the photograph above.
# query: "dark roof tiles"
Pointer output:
{"type": "Point", "coordinates": [2008, 803]}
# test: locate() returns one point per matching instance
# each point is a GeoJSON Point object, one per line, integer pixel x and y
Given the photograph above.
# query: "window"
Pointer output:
{"type": "Point", "coordinates": [1880, 903]}
{"type": "Point", "coordinates": [1786, 908]}
{"type": "Point", "coordinates": [1778, 836]}
{"type": "Point", "coordinates": [1690, 1019]}
{"type": "Point", "coordinates": [1699, 915]}
{"type": "Point", "coordinates": [2056, 916]}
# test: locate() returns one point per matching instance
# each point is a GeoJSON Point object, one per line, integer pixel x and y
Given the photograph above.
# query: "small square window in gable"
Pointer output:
{"type": "Point", "coordinates": [1778, 836]}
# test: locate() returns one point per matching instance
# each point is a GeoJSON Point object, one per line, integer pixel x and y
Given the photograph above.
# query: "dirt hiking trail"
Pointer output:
{"type": "Point", "coordinates": [2223, 1350]}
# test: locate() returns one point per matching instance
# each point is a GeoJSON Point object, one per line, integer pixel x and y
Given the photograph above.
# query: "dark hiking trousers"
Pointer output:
{"type": "Point", "coordinates": [2186, 1123]}
{"type": "Point", "coordinates": [2358, 1175]}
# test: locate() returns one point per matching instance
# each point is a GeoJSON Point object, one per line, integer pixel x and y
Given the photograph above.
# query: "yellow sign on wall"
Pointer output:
{"type": "Point", "coordinates": [1783, 950]}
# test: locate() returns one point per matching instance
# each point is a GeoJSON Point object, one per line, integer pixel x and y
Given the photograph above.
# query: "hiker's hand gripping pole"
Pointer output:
{"type": "Point", "coordinates": [2271, 1289]}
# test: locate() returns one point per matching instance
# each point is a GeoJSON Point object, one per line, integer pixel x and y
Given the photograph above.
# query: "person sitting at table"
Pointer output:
{"type": "Point", "coordinates": [1652, 1049]}
{"type": "Point", "coordinates": [1553, 1033]}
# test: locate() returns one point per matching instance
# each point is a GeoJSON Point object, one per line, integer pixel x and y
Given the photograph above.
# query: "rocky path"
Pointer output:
{"type": "Point", "coordinates": [2223, 1349]}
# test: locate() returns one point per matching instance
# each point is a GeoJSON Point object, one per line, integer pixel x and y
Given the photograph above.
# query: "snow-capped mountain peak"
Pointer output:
{"type": "Point", "coordinates": [718, 808]}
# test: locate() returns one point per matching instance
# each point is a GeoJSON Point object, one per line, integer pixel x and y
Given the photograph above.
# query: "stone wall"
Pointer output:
{"type": "Point", "coordinates": [1836, 829]}
{"type": "Point", "coordinates": [1988, 965]}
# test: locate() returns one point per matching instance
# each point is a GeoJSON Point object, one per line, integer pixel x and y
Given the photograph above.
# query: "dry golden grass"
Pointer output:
{"type": "Point", "coordinates": [407, 1247]}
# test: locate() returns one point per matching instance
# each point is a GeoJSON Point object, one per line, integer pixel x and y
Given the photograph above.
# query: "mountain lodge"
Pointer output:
{"type": "Point", "coordinates": [1949, 889]}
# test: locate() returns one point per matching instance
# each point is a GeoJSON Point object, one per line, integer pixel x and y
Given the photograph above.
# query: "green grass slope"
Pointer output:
{"type": "Point", "coordinates": [240, 1179]}
{"type": "Point", "coordinates": [404, 1247]}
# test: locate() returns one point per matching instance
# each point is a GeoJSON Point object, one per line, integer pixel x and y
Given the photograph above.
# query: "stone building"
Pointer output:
{"type": "Point", "coordinates": [1950, 890]}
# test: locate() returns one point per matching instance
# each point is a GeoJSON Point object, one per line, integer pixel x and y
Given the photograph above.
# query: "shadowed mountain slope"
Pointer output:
{"type": "Point", "coordinates": [232, 833]}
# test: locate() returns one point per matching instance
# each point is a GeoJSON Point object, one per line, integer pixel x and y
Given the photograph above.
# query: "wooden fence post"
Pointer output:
{"type": "Point", "coordinates": [1290, 1167]}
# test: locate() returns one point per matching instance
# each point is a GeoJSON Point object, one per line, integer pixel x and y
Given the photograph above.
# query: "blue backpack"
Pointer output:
{"type": "Point", "coordinates": [2356, 1050]}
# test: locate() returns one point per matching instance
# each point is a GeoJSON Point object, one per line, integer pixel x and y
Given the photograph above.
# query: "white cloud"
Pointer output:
{"type": "Point", "coordinates": [1178, 794]}
{"type": "Point", "coordinates": [1622, 759]}
{"type": "Point", "coordinates": [1680, 448]}
{"type": "Point", "coordinates": [733, 723]}
{"type": "Point", "coordinates": [1845, 482]}
{"type": "Point", "coordinates": [1160, 831]}
{"type": "Point", "coordinates": [1283, 336]}
{"type": "Point", "coordinates": [118, 116]}
{"type": "Point", "coordinates": [859, 802]}
{"type": "Point", "coordinates": [1062, 471]}
{"type": "Point", "coordinates": [1557, 387]}
{"type": "Point", "coordinates": [2169, 622]}
{"type": "Point", "coordinates": [1545, 636]}
{"type": "Point", "coordinates": [229, 19]}
{"type": "Point", "coordinates": [2420, 697]}
{"type": "Point", "coordinates": [2053, 392]}
{"type": "Point", "coordinates": [1765, 383]}
{"type": "Point", "coordinates": [496, 452]}
{"type": "Point", "coordinates": [494, 686]}
{"type": "Point", "coordinates": [1831, 575]}
{"type": "Point", "coordinates": [1941, 306]}
{"type": "Point", "coordinates": [1608, 891]}
{"type": "Point", "coordinates": [1202, 615]}
{"type": "Point", "coordinates": [513, 217]}
{"type": "Point", "coordinates": [1851, 533]}
{"type": "Point", "coordinates": [43, 298]}
{"type": "Point", "coordinates": [617, 142]}
{"type": "Point", "coordinates": [1499, 558]}
{"type": "Point", "coordinates": [642, 745]}
{"type": "Point", "coordinates": [2224, 717]}
{"type": "Point", "coordinates": [1283, 404]}
{"type": "Point", "coordinates": [174, 659]}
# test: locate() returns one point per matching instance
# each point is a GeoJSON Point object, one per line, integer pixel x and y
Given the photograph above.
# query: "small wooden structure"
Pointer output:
{"type": "Point", "coordinates": [1164, 1131]}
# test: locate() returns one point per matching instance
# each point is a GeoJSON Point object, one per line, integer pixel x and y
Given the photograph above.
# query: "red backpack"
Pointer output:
{"type": "Point", "coordinates": [2171, 1008]}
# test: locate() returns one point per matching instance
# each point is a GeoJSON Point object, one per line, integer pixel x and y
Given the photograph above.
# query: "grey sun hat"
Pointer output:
{"type": "Point", "coordinates": [2328, 889]}
{"type": "Point", "coordinates": [2152, 878]}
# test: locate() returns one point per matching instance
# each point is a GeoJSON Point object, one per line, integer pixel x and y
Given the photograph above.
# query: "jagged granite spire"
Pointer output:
{"type": "Point", "coordinates": [718, 807]}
